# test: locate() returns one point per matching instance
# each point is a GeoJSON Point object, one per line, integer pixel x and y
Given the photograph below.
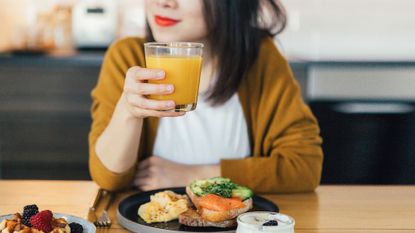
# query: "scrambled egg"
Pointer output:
{"type": "Point", "coordinates": [163, 207]}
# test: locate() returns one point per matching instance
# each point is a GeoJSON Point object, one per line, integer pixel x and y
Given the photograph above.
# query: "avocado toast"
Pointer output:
{"type": "Point", "coordinates": [217, 202]}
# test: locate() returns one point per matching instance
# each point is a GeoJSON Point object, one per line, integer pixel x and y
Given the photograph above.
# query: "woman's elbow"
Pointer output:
{"type": "Point", "coordinates": [314, 182]}
{"type": "Point", "coordinates": [303, 175]}
{"type": "Point", "coordinates": [314, 174]}
{"type": "Point", "coordinates": [109, 181]}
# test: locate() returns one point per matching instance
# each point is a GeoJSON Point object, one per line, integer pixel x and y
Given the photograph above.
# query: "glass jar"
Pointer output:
{"type": "Point", "coordinates": [265, 222]}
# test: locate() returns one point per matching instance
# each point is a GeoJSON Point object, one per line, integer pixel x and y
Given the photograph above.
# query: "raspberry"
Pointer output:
{"type": "Point", "coordinates": [42, 221]}
{"type": "Point", "coordinates": [76, 228]}
{"type": "Point", "coordinates": [28, 212]}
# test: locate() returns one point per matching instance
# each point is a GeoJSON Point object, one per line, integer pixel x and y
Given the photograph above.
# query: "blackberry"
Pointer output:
{"type": "Point", "coordinates": [271, 223]}
{"type": "Point", "coordinates": [76, 228]}
{"type": "Point", "coordinates": [28, 212]}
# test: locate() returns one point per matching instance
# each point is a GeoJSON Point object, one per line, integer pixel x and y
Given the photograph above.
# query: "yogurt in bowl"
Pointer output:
{"type": "Point", "coordinates": [265, 222]}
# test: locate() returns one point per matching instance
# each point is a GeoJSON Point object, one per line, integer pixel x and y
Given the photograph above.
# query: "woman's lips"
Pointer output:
{"type": "Point", "coordinates": [164, 21]}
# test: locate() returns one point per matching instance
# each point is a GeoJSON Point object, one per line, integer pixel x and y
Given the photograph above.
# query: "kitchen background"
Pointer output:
{"type": "Point", "coordinates": [355, 61]}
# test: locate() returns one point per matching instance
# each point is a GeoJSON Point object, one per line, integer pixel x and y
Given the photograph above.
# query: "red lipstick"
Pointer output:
{"type": "Point", "coordinates": [164, 21]}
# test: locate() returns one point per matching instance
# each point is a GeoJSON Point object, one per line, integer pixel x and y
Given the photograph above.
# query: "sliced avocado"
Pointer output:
{"type": "Point", "coordinates": [197, 190]}
{"type": "Point", "coordinates": [220, 186]}
{"type": "Point", "coordinates": [202, 187]}
{"type": "Point", "coordinates": [197, 187]}
{"type": "Point", "coordinates": [242, 192]}
{"type": "Point", "coordinates": [218, 180]}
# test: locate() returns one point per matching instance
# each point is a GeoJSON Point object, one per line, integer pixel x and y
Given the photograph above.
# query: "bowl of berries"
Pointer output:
{"type": "Point", "coordinates": [32, 220]}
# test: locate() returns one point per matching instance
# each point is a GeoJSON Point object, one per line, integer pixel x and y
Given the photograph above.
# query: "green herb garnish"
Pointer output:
{"type": "Point", "coordinates": [223, 189]}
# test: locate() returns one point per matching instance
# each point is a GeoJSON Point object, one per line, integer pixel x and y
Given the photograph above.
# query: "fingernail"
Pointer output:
{"type": "Point", "coordinates": [170, 104]}
{"type": "Point", "coordinates": [170, 88]}
{"type": "Point", "coordinates": [160, 74]}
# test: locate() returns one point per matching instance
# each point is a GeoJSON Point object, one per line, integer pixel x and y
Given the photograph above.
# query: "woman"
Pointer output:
{"type": "Point", "coordinates": [251, 124]}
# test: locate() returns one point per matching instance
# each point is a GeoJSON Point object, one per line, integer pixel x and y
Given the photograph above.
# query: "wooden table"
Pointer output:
{"type": "Point", "coordinates": [331, 209]}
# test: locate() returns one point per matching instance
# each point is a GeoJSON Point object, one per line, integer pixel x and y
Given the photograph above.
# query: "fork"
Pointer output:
{"type": "Point", "coordinates": [92, 217]}
{"type": "Point", "coordinates": [104, 220]}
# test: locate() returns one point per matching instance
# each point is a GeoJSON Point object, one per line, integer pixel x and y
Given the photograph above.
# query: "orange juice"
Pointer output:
{"type": "Point", "coordinates": [181, 71]}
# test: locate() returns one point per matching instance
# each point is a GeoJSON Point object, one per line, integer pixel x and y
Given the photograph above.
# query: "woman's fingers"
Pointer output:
{"type": "Point", "coordinates": [141, 74]}
{"type": "Point", "coordinates": [142, 165]}
{"type": "Point", "coordinates": [149, 89]}
{"type": "Point", "coordinates": [154, 108]}
{"type": "Point", "coordinates": [164, 114]}
{"type": "Point", "coordinates": [147, 188]}
{"type": "Point", "coordinates": [135, 89]}
{"type": "Point", "coordinates": [145, 182]}
{"type": "Point", "coordinates": [149, 104]}
{"type": "Point", "coordinates": [155, 113]}
{"type": "Point", "coordinates": [143, 171]}
{"type": "Point", "coordinates": [143, 175]}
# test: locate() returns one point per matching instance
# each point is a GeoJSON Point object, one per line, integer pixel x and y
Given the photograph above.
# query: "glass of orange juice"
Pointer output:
{"type": "Point", "coordinates": [182, 63]}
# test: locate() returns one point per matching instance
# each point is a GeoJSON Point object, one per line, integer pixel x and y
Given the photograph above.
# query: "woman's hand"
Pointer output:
{"type": "Point", "coordinates": [155, 173]}
{"type": "Point", "coordinates": [136, 88]}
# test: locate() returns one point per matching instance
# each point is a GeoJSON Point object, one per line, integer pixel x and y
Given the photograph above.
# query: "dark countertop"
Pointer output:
{"type": "Point", "coordinates": [80, 59]}
{"type": "Point", "coordinates": [95, 58]}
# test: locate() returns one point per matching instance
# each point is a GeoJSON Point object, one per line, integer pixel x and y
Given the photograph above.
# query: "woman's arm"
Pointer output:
{"type": "Point", "coordinates": [157, 173]}
{"type": "Point", "coordinates": [118, 109]}
{"type": "Point", "coordinates": [113, 153]}
{"type": "Point", "coordinates": [292, 161]}
{"type": "Point", "coordinates": [117, 147]}
{"type": "Point", "coordinates": [287, 154]}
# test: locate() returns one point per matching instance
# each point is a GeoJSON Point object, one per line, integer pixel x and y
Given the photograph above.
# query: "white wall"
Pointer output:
{"type": "Point", "coordinates": [350, 30]}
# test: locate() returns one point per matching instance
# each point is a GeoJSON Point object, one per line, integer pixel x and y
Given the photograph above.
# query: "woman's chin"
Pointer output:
{"type": "Point", "coordinates": [165, 37]}
{"type": "Point", "coordinates": [171, 37]}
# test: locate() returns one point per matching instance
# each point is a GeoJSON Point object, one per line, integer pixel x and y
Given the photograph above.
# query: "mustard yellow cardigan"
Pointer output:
{"type": "Point", "coordinates": [284, 134]}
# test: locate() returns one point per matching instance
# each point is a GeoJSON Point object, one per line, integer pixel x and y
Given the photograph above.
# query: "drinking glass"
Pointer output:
{"type": "Point", "coordinates": [182, 63]}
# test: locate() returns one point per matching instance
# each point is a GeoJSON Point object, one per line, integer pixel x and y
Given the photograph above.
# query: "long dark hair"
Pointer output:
{"type": "Point", "coordinates": [236, 28]}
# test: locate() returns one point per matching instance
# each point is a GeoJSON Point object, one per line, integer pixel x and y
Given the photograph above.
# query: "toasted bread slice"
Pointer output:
{"type": "Point", "coordinates": [192, 218]}
{"type": "Point", "coordinates": [218, 216]}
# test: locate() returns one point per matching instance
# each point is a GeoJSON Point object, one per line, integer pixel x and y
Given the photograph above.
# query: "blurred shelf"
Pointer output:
{"type": "Point", "coordinates": [79, 59]}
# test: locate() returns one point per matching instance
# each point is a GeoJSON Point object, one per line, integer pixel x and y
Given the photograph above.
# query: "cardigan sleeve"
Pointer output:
{"type": "Point", "coordinates": [287, 155]}
{"type": "Point", "coordinates": [105, 96]}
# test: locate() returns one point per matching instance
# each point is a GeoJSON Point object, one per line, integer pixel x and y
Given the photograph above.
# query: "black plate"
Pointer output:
{"type": "Point", "coordinates": [128, 209]}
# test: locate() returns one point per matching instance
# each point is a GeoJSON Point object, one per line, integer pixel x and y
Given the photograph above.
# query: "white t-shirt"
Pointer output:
{"type": "Point", "coordinates": [205, 135]}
